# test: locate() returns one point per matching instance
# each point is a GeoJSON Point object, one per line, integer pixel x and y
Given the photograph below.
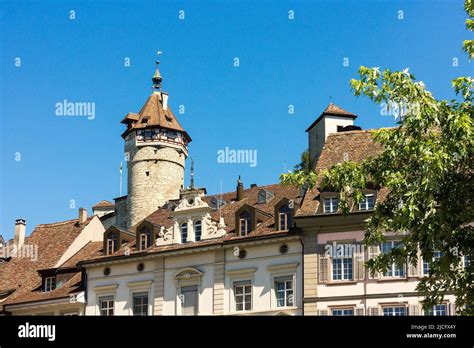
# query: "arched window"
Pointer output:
{"type": "Point", "coordinates": [184, 232]}
{"type": "Point", "coordinates": [197, 230]}
{"type": "Point", "coordinates": [245, 223]}
{"type": "Point", "coordinates": [285, 217]}
{"type": "Point", "coordinates": [112, 243]}
{"type": "Point", "coordinates": [146, 239]}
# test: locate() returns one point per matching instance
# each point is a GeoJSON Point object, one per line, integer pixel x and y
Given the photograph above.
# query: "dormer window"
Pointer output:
{"type": "Point", "coordinates": [112, 243]}
{"type": "Point", "coordinates": [197, 230]}
{"type": "Point", "coordinates": [367, 203]}
{"type": "Point", "coordinates": [331, 205]}
{"type": "Point", "coordinates": [145, 120]}
{"type": "Point", "coordinates": [184, 232]}
{"type": "Point", "coordinates": [49, 284]}
{"type": "Point", "coordinates": [245, 223]}
{"type": "Point", "coordinates": [284, 217]}
{"type": "Point", "coordinates": [264, 196]}
{"type": "Point", "coordinates": [217, 203]}
{"type": "Point", "coordinates": [146, 238]}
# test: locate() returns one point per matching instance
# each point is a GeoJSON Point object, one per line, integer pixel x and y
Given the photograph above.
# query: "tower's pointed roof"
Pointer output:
{"type": "Point", "coordinates": [333, 110]}
{"type": "Point", "coordinates": [154, 114]}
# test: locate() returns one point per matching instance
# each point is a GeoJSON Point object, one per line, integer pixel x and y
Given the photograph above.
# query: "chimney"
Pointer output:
{"type": "Point", "coordinates": [240, 190]}
{"type": "Point", "coordinates": [165, 100]}
{"type": "Point", "coordinates": [82, 215]}
{"type": "Point", "coordinates": [20, 229]}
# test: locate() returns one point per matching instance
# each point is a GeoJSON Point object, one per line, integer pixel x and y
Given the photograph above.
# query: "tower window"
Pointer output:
{"type": "Point", "coordinates": [184, 232]}
{"type": "Point", "coordinates": [147, 173]}
{"type": "Point", "coordinates": [198, 230]}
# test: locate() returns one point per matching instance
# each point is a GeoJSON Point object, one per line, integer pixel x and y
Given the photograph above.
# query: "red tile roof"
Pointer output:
{"type": "Point", "coordinates": [353, 145]}
{"type": "Point", "coordinates": [104, 204]}
{"type": "Point", "coordinates": [52, 241]}
{"type": "Point", "coordinates": [335, 111]}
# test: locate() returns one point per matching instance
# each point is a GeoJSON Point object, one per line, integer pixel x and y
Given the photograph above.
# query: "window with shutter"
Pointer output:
{"type": "Point", "coordinates": [323, 268]}
{"type": "Point", "coordinates": [322, 312]}
{"type": "Point", "coordinates": [374, 310]}
{"type": "Point", "coordinates": [374, 251]}
{"type": "Point", "coordinates": [414, 309]}
{"type": "Point", "coordinates": [359, 268]}
{"type": "Point", "coordinates": [359, 311]}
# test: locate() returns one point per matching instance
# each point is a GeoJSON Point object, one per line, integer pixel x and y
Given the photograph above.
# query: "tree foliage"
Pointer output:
{"type": "Point", "coordinates": [426, 167]}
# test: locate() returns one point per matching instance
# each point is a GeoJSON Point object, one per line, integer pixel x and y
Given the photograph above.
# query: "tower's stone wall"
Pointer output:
{"type": "Point", "coordinates": [155, 175]}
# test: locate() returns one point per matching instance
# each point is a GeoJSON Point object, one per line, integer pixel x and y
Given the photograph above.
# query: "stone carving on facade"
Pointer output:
{"type": "Point", "coordinates": [165, 236]}
{"type": "Point", "coordinates": [213, 228]}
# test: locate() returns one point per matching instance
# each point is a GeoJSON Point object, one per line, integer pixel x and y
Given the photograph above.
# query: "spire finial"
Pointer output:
{"type": "Point", "coordinates": [157, 78]}
{"type": "Point", "coordinates": [192, 173]}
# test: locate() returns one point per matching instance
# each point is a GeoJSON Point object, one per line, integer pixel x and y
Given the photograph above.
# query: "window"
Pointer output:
{"type": "Point", "coordinates": [342, 268]}
{"type": "Point", "coordinates": [426, 264]}
{"type": "Point", "coordinates": [438, 310]}
{"type": "Point", "coordinates": [330, 204]}
{"type": "Point", "coordinates": [184, 232]}
{"type": "Point", "coordinates": [197, 230]}
{"type": "Point", "coordinates": [189, 300]}
{"type": "Point", "coordinates": [140, 304]}
{"type": "Point", "coordinates": [49, 284]}
{"type": "Point", "coordinates": [394, 311]}
{"type": "Point", "coordinates": [106, 305]}
{"type": "Point", "coordinates": [466, 260]}
{"type": "Point", "coordinates": [245, 223]}
{"type": "Point", "coordinates": [367, 203]}
{"type": "Point", "coordinates": [112, 243]}
{"type": "Point", "coordinates": [285, 217]}
{"type": "Point", "coordinates": [393, 270]}
{"type": "Point", "coordinates": [243, 295]}
{"type": "Point", "coordinates": [284, 291]}
{"type": "Point", "coordinates": [146, 239]}
{"type": "Point", "coordinates": [342, 311]}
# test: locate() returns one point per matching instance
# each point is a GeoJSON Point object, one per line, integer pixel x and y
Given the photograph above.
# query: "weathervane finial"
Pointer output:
{"type": "Point", "coordinates": [157, 78]}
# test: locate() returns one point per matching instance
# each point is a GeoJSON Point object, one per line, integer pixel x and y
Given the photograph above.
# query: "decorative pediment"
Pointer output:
{"type": "Point", "coordinates": [192, 202]}
{"type": "Point", "coordinates": [188, 273]}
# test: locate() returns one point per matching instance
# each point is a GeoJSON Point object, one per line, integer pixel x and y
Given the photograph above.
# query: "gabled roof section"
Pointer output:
{"type": "Point", "coordinates": [353, 146]}
{"type": "Point", "coordinates": [333, 110]}
{"type": "Point", "coordinates": [153, 114]}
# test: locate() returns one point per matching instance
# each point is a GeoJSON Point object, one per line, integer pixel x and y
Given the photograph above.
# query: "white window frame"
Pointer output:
{"type": "Point", "coordinates": [333, 209]}
{"type": "Point", "coordinates": [194, 228]}
{"type": "Point", "coordinates": [234, 302]}
{"type": "Point", "coordinates": [393, 267]}
{"type": "Point", "coordinates": [181, 232]}
{"type": "Point", "coordinates": [49, 284]}
{"type": "Point", "coordinates": [180, 295]}
{"type": "Point", "coordinates": [99, 303]}
{"type": "Point", "coordinates": [137, 292]}
{"type": "Point", "coordinates": [434, 310]}
{"type": "Point", "coordinates": [343, 309]}
{"type": "Point", "coordinates": [287, 277]}
{"type": "Point", "coordinates": [393, 308]}
{"type": "Point", "coordinates": [343, 269]}
{"type": "Point", "coordinates": [364, 205]}
{"type": "Point", "coordinates": [436, 255]}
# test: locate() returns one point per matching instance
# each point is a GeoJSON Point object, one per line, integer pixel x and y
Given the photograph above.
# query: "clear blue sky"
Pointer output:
{"type": "Point", "coordinates": [282, 62]}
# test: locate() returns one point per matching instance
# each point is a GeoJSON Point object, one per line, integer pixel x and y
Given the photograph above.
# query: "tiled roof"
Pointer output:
{"type": "Point", "coordinates": [52, 241]}
{"type": "Point", "coordinates": [162, 217]}
{"type": "Point", "coordinates": [353, 145]}
{"type": "Point", "coordinates": [335, 111]}
{"type": "Point", "coordinates": [104, 204]}
{"type": "Point", "coordinates": [156, 116]}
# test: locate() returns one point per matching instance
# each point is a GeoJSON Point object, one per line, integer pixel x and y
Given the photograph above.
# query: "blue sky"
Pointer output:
{"type": "Point", "coordinates": [282, 62]}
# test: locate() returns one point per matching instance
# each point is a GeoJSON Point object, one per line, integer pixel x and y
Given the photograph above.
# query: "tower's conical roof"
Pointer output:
{"type": "Point", "coordinates": [153, 114]}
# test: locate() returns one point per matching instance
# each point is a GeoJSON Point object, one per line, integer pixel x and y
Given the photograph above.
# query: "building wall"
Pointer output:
{"type": "Point", "coordinates": [319, 133]}
{"type": "Point", "coordinates": [155, 175]}
{"type": "Point", "coordinates": [219, 268]}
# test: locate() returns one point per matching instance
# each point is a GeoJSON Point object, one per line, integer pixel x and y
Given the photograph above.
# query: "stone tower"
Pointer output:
{"type": "Point", "coordinates": [156, 147]}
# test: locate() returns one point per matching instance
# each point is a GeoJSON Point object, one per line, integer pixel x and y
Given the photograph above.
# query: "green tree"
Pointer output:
{"type": "Point", "coordinates": [426, 167]}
